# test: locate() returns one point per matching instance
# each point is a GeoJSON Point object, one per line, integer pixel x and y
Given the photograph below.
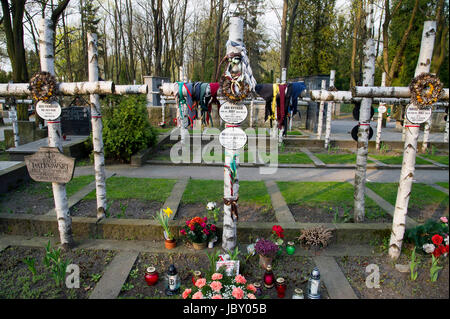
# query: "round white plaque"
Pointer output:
{"type": "Point", "coordinates": [233, 138]}
{"type": "Point", "coordinates": [233, 113]}
{"type": "Point", "coordinates": [48, 111]}
{"type": "Point", "coordinates": [381, 109]}
{"type": "Point", "coordinates": [416, 115]}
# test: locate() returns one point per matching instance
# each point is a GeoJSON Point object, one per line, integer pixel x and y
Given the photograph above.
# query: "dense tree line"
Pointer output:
{"type": "Point", "coordinates": [155, 37]}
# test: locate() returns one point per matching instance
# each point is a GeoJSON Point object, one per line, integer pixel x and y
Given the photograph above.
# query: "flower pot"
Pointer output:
{"type": "Point", "coordinates": [199, 246]}
{"type": "Point", "coordinates": [170, 244]}
{"type": "Point", "coordinates": [265, 261]}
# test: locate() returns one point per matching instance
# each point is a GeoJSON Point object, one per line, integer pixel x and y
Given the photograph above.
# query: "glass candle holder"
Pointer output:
{"type": "Point", "coordinates": [151, 276]}
{"type": "Point", "coordinates": [281, 287]}
{"type": "Point", "coordinates": [197, 275]}
{"type": "Point", "coordinates": [298, 294]}
{"type": "Point", "coordinates": [269, 278]}
{"type": "Point", "coordinates": [258, 291]}
{"type": "Point", "coordinates": [290, 248]}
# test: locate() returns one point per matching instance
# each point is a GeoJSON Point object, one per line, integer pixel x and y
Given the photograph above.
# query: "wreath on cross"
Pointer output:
{"type": "Point", "coordinates": [233, 85]}
{"type": "Point", "coordinates": [43, 87]}
{"type": "Point", "coordinates": [425, 90]}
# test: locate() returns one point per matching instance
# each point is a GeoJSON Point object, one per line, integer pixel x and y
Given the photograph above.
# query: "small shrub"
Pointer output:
{"type": "Point", "coordinates": [315, 237]}
{"type": "Point", "coordinates": [126, 128]}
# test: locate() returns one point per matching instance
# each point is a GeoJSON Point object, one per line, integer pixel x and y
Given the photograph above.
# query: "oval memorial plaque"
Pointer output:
{"type": "Point", "coordinates": [416, 115]}
{"type": "Point", "coordinates": [48, 111]}
{"type": "Point", "coordinates": [381, 109]}
{"type": "Point", "coordinates": [233, 113]}
{"type": "Point", "coordinates": [50, 165]}
{"type": "Point", "coordinates": [233, 138]}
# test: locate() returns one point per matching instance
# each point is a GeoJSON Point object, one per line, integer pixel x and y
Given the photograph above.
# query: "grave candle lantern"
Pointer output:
{"type": "Point", "coordinates": [269, 278]}
{"type": "Point", "coordinates": [281, 287]}
{"type": "Point", "coordinates": [298, 294]}
{"type": "Point", "coordinates": [259, 291]}
{"type": "Point", "coordinates": [314, 284]}
{"type": "Point", "coordinates": [151, 276]}
{"type": "Point", "coordinates": [290, 248]}
{"type": "Point", "coordinates": [197, 275]}
{"type": "Point", "coordinates": [173, 281]}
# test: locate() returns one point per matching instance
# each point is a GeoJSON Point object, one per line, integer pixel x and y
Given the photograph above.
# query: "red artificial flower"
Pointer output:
{"type": "Point", "coordinates": [213, 227]}
{"type": "Point", "coordinates": [278, 230]}
{"type": "Point", "coordinates": [443, 249]}
{"type": "Point", "coordinates": [437, 239]}
{"type": "Point", "coordinates": [183, 232]}
{"type": "Point", "coordinates": [192, 227]}
{"type": "Point", "coordinates": [437, 253]}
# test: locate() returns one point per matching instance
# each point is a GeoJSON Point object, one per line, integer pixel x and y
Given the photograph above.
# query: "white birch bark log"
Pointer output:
{"type": "Point", "coordinates": [364, 123]}
{"type": "Point", "coordinates": [46, 36]}
{"type": "Point", "coordinates": [74, 88]}
{"type": "Point", "coordinates": [410, 149]}
{"type": "Point", "coordinates": [15, 129]}
{"type": "Point", "coordinates": [131, 89]}
{"type": "Point", "coordinates": [231, 192]}
{"type": "Point", "coordinates": [446, 130]}
{"type": "Point", "coordinates": [97, 129]}
{"type": "Point", "coordinates": [330, 107]}
{"type": "Point", "coordinates": [251, 113]}
{"type": "Point", "coordinates": [394, 91]}
{"type": "Point", "coordinates": [426, 135]}
{"type": "Point", "coordinates": [380, 115]}
{"type": "Point", "coordinates": [321, 106]}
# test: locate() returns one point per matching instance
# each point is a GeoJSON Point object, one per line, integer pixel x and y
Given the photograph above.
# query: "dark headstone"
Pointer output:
{"type": "Point", "coordinates": [76, 120]}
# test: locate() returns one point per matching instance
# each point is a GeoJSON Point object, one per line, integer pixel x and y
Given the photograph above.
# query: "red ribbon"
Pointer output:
{"type": "Point", "coordinates": [53, 122]}
{"type": "Point", "coordinates": [408, 125]}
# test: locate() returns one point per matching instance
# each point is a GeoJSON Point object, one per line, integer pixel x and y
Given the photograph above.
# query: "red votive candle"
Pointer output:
{"type": "Point", "coordinates": [281, 287]}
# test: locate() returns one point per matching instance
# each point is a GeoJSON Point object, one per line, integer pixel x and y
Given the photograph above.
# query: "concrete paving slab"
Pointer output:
{"type": "Point", "coordinates": [439, 188]}
{"type": "Point", "coordinates": [431, 161]}
{"type": "Point", "coordinates": [337, 285]}
{"type": "Point", "coordinates": [313, 158]}
{"type": "Point", "coordinates": [282, 212]}
{"type": "Point", "coordinates": [8, 164]}
{"type": "Point", "coordinates": [173, 201]}
{"type": "Point", "coordinates": [114, 276]}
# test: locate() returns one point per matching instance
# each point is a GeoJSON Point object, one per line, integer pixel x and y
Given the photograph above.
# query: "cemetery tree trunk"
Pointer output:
{"type": "Point", "coordinates": [330, 106]}
{"type": "Point", "coordinates": [410, 149]}
{"type": "Point", "coordinates": [364, 122]}
{"type": "Point", "coordinates": [380, 115]}
{"type": "Point", "coordinates": [46, 37]}
{"type": "Point", "coordinates": [321, 107]}
{"type": "Point", "coordinates": [97, 129]}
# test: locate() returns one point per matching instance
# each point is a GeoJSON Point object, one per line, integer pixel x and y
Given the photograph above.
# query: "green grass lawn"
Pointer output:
{"type": "Point", "coordinates": [338, 158]}
{"type": "Point", "coordinates": [76, 184]}
{"type": "Point", "coordinates": [294, 133]}
{"type": "Point", "coordinates": [421, 194]}
{"type": "Point", "coordinates": [443, 184]}
{"type": "Point", "coordinates": [443, 159]}
{"type": "Point", "coordinates": [397, 160]}
{"type": "Point", "coordinates": [327, 195]}
{"type": "Point", "coordinates": [151, 189]}
{"type": "Point", "coordinates": [294, 158]}
{"type": "Point", "coordinates": [204, 191]}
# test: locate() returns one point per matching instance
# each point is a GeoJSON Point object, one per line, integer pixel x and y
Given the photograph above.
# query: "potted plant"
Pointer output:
{"type": "Point", "coordinates": [267, 250]}
{"type": "Point", "coordinates": [199, 232]}
{"type": "Point", "coordinates": [162, 217]}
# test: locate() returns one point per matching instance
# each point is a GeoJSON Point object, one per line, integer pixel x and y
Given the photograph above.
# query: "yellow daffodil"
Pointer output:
{"type": "Point", "coordinates": [168, 211]}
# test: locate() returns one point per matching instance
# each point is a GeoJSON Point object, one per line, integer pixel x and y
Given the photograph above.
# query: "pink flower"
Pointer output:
{"type": "Point", "coordinates": [198, 295]}
{"type": "Point", "coordinates": [240, 279]}
{"type": "Point", "coordinates": [186, 293]}
{"type": "Point", "coordinates": [192, 227]}
{"type": "Point", "coordinates": [251, 296]}
{"type": "Point", "coordinates": [251, 288]}
{"type": "Point", "coordinates": [183, 232]}
{"type": "Point", "coordinates": [206, 231]}
{"type": "Point", "coordinates": [216, 286]}
{"type": "Point", "coordinates": [200, 282]}
{"type": "Point", "coordinates": [217, 297]}
{"type": "Point", "coordinates": [213, 227]}
{"type": "Point", "coordinates": [444, 219]}
{"type": "Point", "coordinates": [187, 222]}
{"type": "Point", "coordinates": [205, 219]}
{"type": "Point", "coordinates": [238, 293]}
{"type": "Point", "coordinates": [216, 276]}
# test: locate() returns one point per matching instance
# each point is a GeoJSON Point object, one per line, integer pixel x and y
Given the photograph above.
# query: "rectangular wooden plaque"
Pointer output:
{"type": "Point", "coordinates": [50, 165]}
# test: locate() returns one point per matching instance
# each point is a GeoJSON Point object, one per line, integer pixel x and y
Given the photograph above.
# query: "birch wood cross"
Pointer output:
{"type": "Point", "coordinates": [93, 87]}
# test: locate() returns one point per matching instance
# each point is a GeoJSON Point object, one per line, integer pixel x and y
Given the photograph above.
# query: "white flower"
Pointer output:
{"type": "Point", "coordinates": [428, 248]}
{"type": "Point", "coordinates": [446, 240]}
{"type": "Point", "coordinates": [211, 206]}
{"type": "Point", "coordinates": [251, 249]}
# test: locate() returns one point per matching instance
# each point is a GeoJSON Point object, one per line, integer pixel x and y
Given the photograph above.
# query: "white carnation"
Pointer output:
{"type": "Point", "coordinates": [211, 206]}
{"type": "Point", "coordinates": [428, 248]}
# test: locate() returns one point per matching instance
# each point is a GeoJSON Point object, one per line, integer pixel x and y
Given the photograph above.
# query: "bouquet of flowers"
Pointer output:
{"type": "Point", "coordinates": [266, 248]}
{"type": "Point", "coordinates": [277, 235]}
{"type": "Point", "coordinates": [198, 230]}
{"type": "Point", "coordinates": [220, 286]}
{"type": "Point", "coordinates": [439, 245]}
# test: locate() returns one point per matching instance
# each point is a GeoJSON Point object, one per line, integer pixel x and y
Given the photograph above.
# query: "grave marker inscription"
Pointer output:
{"type": "Point", "coordinates": [50, 165]}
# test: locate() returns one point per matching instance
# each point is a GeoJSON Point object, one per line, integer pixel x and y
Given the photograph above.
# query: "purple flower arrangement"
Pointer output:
{"type": "Point", "coordinates": [266, 248]}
